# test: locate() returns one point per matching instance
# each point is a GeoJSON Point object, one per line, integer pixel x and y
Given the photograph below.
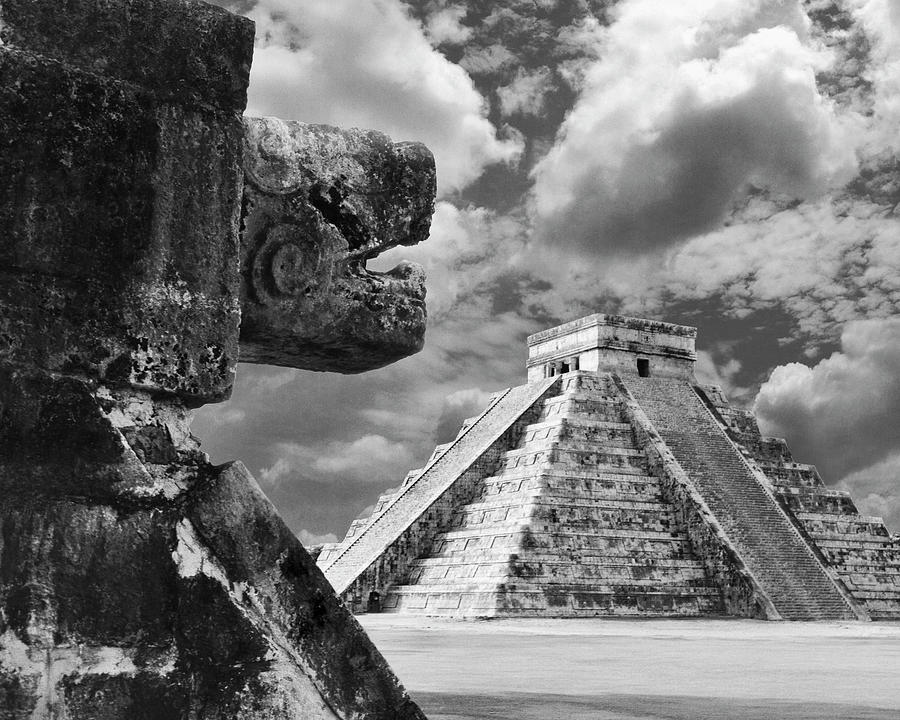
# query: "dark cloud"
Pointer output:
{"type": "Point", "coordinates": [684, 112]}
{"type": "Point", "coordinates": [841, 413]}
{"type": "Point", "coordinates": [686, 180]}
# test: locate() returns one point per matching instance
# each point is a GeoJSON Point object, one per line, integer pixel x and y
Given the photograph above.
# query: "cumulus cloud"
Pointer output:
{"type": "Point", "coordinates": [822, 264]}
{"type": "Point", "coordinates": [458, 406]}
{"type": "Point", "coordinates": [487, 60]}
{"type": "Point", "coordinates": [371, 65]}
{"type": "Point", "coordinates": [689, 103]}
{"type": "Point", "coordinates": [876, 491]}
{"type": "Point", "coordinates": [468, 248]}
{"type": "Point", "coordinates": [842, 413]}
{"type": "Point", "coordinates": [718, 368]}
{"type": "Point", "coordinates": [881, 20]}
{"type": "Point", "coordinates": [825, 263]}
{"type": "Point", "coordinates": [444, 27]}
{"type": "Point", "coordinates": [354, 460]}
{"type": "Point", "coordinates": [309, 538]}
{"type": "Point", "coordinates": [526, 94]}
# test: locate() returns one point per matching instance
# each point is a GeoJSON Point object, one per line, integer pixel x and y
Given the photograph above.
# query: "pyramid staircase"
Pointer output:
{"type": "Point", "coordinates": [569, 523]}
{"type": "Point", "coordinates": [859, 548]}
{"type": "Point", "coordinates": [763, 534]}
{"type": "Point", "coordinates": [407, 519]}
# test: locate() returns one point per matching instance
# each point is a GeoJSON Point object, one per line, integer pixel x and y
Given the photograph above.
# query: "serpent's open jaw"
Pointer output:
{"type": "Point", "coordinates": [319, 203]}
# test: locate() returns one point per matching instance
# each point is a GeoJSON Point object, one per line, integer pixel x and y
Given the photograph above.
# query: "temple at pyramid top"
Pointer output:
{"type": "Point", "coordinates": [612, 483]}
{"type": "Point", "coordinates": [613, 343]}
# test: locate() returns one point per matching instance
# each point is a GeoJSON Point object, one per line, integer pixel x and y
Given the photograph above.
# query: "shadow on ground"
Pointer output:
{"type": "Point", "coordinates": [540, 706]}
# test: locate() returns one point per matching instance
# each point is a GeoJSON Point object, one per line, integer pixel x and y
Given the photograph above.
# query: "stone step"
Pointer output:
{"type": "Point", "coordinates": [794, 474]}
{"type": "Point", "coordinates": [499, 517]}
{"type": "Point", "coordinates": [636, 587]}
{"type": "Point", "coordinates": [769, 545]}
{"type": "Point", "coordinates": [890, 566]}
{"type": "Point", "coordinates": [500, 528]}
{"type": "Point", "coordinates": [884, 613]}
{"type": "Point", "coordinates": [630, 486]}
{"type": "Point", "coordinates": [580, 559]}
{"type": "Point", "coordinates": [521, 604]}
{"type": "Point", "coordinates": [437, 478]}
{"type": "Point", "coordinates": [543, 504]}
{"type": "Point", "coordinates": [564, 442]}
{"type": "Point", "coordinates": [484, 535]}
{"type": "Point", "coordinates": [586, 576]}
{"type": "Point", "coordinates": [638, 544]}
{"type": "Point", "coordinates": [574, 514]}
{"type": "Point", "coordinates": [816, 501]}
{"type": "Point", "coordinates": [605, 458]}
{"type": "Point", "coordinates": [576, 430]}
{"type": "Point", "coordinates": [863, 540]}
{"type": "Point", "coordinates": [561, 470]}
{"type": "Point", "coordinates": [587, 407]}
{"type": "Point", "coordinates": [590, 382]}
{"type": "Point", "coordinates": [855, 519]}
{"type": "Point", "coordinates": [581, 424]}
{"type": "Point", "coordinates": [868, 583]}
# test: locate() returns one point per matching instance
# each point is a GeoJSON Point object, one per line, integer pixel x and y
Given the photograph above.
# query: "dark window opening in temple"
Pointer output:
{"type": "Point", "coordinates": [564, 368]}
{"type": "Point", "coordinates": [643, 365]}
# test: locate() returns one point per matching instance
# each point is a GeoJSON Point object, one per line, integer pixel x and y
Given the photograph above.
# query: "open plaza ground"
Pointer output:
{"type": "Point", "coordinates": [603, 669]}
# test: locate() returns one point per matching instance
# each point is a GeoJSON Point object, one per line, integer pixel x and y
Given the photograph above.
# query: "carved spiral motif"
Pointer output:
{"type": "Point", "coordinates": [287, 264]}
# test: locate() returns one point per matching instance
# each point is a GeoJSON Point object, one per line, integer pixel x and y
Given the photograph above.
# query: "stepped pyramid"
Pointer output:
{"type": "Point", "coordinates": [613, 484]}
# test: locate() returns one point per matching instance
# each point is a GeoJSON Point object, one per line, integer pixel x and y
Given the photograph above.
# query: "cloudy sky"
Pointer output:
{"type": "Point", "coordinates": [729, 164]}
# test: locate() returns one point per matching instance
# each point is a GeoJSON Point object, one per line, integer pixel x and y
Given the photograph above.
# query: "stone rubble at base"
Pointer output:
{"type": "Point", "coordinates": [613, 484]}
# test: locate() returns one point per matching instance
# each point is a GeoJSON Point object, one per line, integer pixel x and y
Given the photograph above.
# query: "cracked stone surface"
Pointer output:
{"type": "Point", "coordinates": [141, 256]}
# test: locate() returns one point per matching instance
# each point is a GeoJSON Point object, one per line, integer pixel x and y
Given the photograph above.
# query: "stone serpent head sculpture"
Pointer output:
{"type": "Point", "coordinates": [153, 237]}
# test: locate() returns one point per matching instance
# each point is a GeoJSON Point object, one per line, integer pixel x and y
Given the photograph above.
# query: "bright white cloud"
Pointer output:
{"type": "Point", "coordinates": [876, 491]}
{"type": "Point", "coordinates": [487, 60]}
{"type": "Point", "coordinates": [842, 413]}
{"type": "Point", "coordinates": [881, 20]}
{"type": "Point", "coordinates": [526, 94]}
{"type": "Point", "coordinates": [688, 103]}
{"type": "Point", "coordinates": [468, 247]}
{"type": "Point", "coordinates": [309, 538]}
{"type": "Point", "coordinates": [370, 65]}
{"type": "Point", "coordinates": [444, 26]}
{"type": "Point", "coordinates": [370, 458]}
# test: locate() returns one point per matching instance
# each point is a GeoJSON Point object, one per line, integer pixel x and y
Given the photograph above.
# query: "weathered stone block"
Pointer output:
{"type": "Point", "coordinates": [142, 696]}
{"type": "Point", "coordinates": [85, 582]}
{"type": "Point", "coordinates": [120, 256]}
{"type": "Point", "coordinates": [181, 50]}
{"type": "Point", "coordinates": [240, 526]}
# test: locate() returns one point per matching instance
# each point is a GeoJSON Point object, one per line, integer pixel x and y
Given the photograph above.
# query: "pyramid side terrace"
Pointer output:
{"type": "Point", "coordinates": [613, 484]}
